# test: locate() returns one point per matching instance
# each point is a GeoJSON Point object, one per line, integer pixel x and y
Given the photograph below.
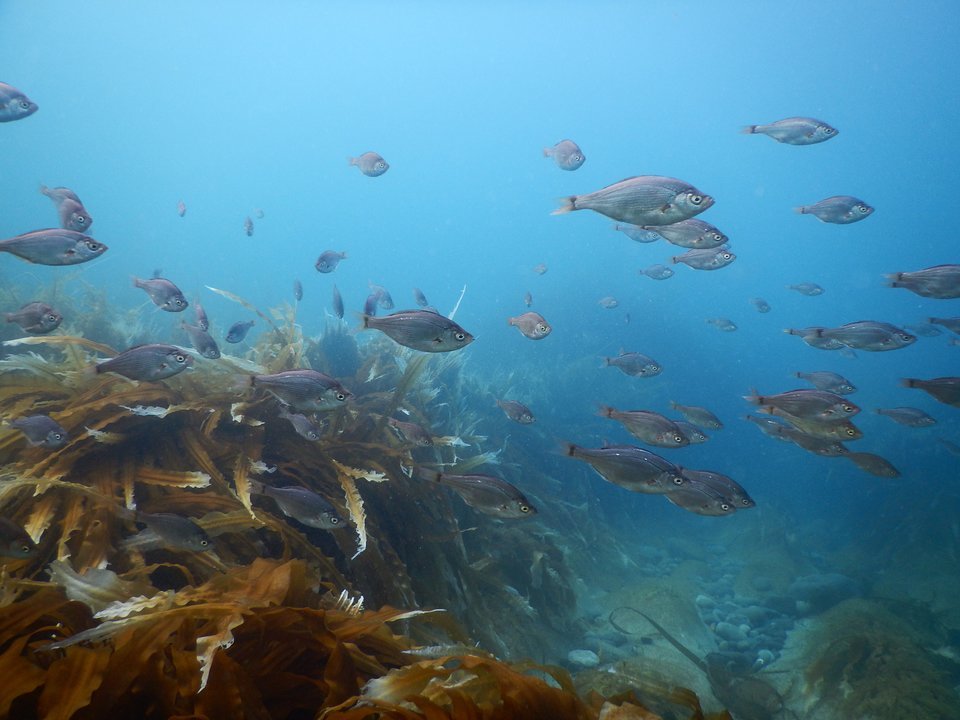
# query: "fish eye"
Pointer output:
{"type": "Point", "coordinates": [180, 357]}
{"type": "Point", "coordinates": [542, 328]}
{"type": "Point", "coordinates": [654, 368]}
{"type": "Point", "coordinates": [334, 521]}
{"type": "Point", "coordinates": [726, 256]}
{"type": "Point", "coordinates": [204, 542]}
{"type": "Point", "coordinates": [745, 502]}
{"type": "Point", "coordinates": [678, 438]}
{"type": "Point", "coordinates": [341, 397]}
{"type": "Point", "coordinates": [524, 509]}
{"type": "Point", "coordinates": [24, 105]}
{"type": "Point", "coordinates": [93, 246]}
{"type": "Point", "coordinates": [696, 199]}
{"type": "Point", "coordinates": [726, 506]}
{"type": "Point", "coordinates": [25, 549]}
{"type": "Point", "coordinates": [862, 208]}
{"type": "Point", "coordinates": [51, 318]}
{"type": "Point", "coordinates": [57, 436]}
{"type": "Point", "coordinates": [677, 480]}
{"type": "Point", "coordinates": [847, 408]}
{"type": "Point", "coordinates": [460, 336]}
{"type": "Point", "coordinates": [851, 432]}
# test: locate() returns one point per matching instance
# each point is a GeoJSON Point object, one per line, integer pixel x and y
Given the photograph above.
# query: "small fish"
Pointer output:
{"type": "Point", "coordinates": [306, 390]}
{"type": "Point", "coordinates": [825, 429]}
{"type": "Point", "coordinates": [540, 269]}
{"type": "Point", "coordinates": [828, 381]}
{"type": "Point", "coordinates": [411, 432]}
{"type": "Point", "coordinates": [259, 213]}
{"type": "Point", "coordinates": [657, 272]}
{"type": "Point", "coordinates": [951, 324]}
{"type": "Point", "coordinates": [14, 105]}
{"type": "Point", "coordinates": [328, 261]}
{"type": "Point", "coordinates": [839, 209]}
{"type": "Point", "coordinates": [516, 411]}
{"type": "Point", "coordinates": [869, 335]}
{"type": "Point", "coordinates": [176, 531]}
{"type": "Point", "coordinates": [304, 426]}
{"type": "Point", "coordinates": [630, 467]}
{"type": "Point", "coordinates": [73, 215]}
{"type": "Point", "coordinates": [201, 341]}
{"type": "Point", "coordinates": [486, 493]}
{"type": "Point", "coordinates": [370, 163]}
{"type": "Point", "coordinates": [384, 300]}
{"type": "Point", "coordinates": [337, 303]}
{"type": "Point", "coordinates": [420, 330]}
{"type": "Point", "coordinates": [15, 543]}
{"type": "Point", "coordinates": [701, 499]}
{"type": "Point", "coordinates": [238, 331]}
{"type": "Point", "coordinates": [940, 281]}
{"type": "Point", "coordinates": [37, 318]}
{"type": "Point", "coordinates": [707, 259]}
{"type": "Point", "coordinates": [566, 154]}
{"type": "Point", "coordinates": [41, 431]}
{"type": "Point", "coordinates": [420, 298]}
{"type": "Point", "coordinates": [829, 445]}
{"type": "Point", "coordinates": [909, 416]}
{"type": "Point", "coordinates": [699, 416]}
{"type": "Point", "coordinates": [807, 404]}
{"type": "Point", "coordinates": [248, 226]}
{"type": "Point", "coordinates": [147, 362]}
{"type": "Point", "coordinates": [531, 324]}
{"type": "Point", "coordinates": [795, 131]}
{"type": "Point", "coordinates": [637, 233]}
{"type": "Point", "coordinates": [527, 299]}
{"type": "Point", "coordinates": [873, 464]}
{"type": "Point", "coordinates": [181, 208]}
{"type": "Point", "coordinates": [944, 389]}
{"type": "Point", "coordinates": [609, 302]}
{"type": "Point", "coordinates": [691, 234]}
{"type": "Point", "coordinates": [722, 323]}
{"type": "Point", "coordinates": [297, 290]}
{"type": "Point", "coordinates": [164, 294]}
{"type": "Point", "coordinates": [371, 304]}
{"type": "Point", "coordinates": [54, 246]}
{"type": "Point", "coordinates": [723, 484]}
{"type": "Point", "coordinates": [648, 426]}
{"type": "Point", "coordinates": [694, 434]}
{"type": "Point", "coordinates": [302, 505]}
{"type": "Point", "coordinates": [807, 288]}
{"type": "Point", "coordinates": [643, 200]}
{"type": "Point", "coordinates": [634, 364]}
{"type": "Point", "coordinates": [813, 337]}
{"type": "Point", "coordinates": [760, 304]}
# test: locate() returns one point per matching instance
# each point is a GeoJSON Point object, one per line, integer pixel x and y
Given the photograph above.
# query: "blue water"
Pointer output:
{"type": "Point", "coordinates": [236, 106]}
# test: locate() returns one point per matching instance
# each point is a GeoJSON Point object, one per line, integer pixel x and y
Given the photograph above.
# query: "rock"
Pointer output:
{"type": "Point", "coordinates": [816, 593]}
{"type": "Point", "coordinates": [583, 658]}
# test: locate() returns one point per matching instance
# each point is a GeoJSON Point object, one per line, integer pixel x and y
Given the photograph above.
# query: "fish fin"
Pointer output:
{"type": "Point", "coordinates": [547, 152]}
{"type": "Point", "coordinates": [256, 487]}
{"type": "Point", "coordinates": [908, 382]}
{"type": "Point", "coordinates": [675, 259]}
{"type": "Point", "coordinates": [893, 279]}
{"type": "Point", "coordinates": [802, 210]}
{"type": "Point", "coordinates": [351, 161]}
{"type": "Point", "coordinates": [748, 129]}
{"type": "Point", "coordinates": [569, 449]}
{"type": "Point", "coordinates": [365, 319]}
{"type": "Point", "coordinates": [567, 204]}
{"type": "Point", "coordinates": [429, 475]}
{"type": "Point", "coordinates": [606, 411]}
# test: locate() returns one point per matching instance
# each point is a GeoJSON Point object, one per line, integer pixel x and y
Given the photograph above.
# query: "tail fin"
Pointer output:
{"type": "Point", "coordinates": [748, 129]}
{"type": "Point", "coordinates": [547, 152]}
{"type": "Point", "coordinates": [606, 411]}
{"type": "Point", "coordinates": [802, 210]}
{"type": "Point", "coordinates": [567, 204]}
{"type": "Point", "coordinates": [894, 279]}
{"type": "Point", "coordinates": [351, 161]}
{"type": "Point", "coordinates": [909, 382]}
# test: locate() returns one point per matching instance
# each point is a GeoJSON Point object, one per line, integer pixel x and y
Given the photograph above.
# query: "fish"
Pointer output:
{"type": "Point", "coordinates": [149, 362]}
{"type": "Point", "coordinates": [248, 226]}
{"type": "Point", "coordinates": [807, 288]}
{"type": "Point", "coordinates": [54, 246]}
{"type": "Point", "coordinates": [707, 259]}
{"type": "Point", "coordinates": [420, 298]}
{"type": "Point", "coordinates": [41, 431]}
{"type": "Point", "coordinates": [940, 281]}
{"type": "Point", "coordinates": [834, 430]}
{"type": "Point", "coordinates": [869, 335]}
{"type": "Point", "coordinates": [699, 416]}
{"type": "Point", "coordinates": [566, 154]}
{"type": "Point", "coordinates": [760, 304]}
{"type": "Point", "coordinates": [486, 493]}
{"type": "Point", "coordinates": [770, 427]}
{"type": "Point", "coordinates": [795, 131]}
{"type": "Point", "coordinates": [807, 404]}
{"type": "Point", "coordinates": [304, 426]}
{"type": "Point", "coordinates": [203, 322]}
{"type": "Point", "coordinates": [701, 499]}
{"type": "Point", "coordinates": [328, 261]}
{"type": "Point", "coordinates": [634, 364]}
{"type": "Point", "coordinates": [944, 389]}
{"type": "Point", "coordinates": [238, 331]}
{"type": "Point", "coordinates": [14, 105]}
{"type": "Point", "coordinates": [873, 464]}
{"type": "Point", "coordinates": [259, 213]}
{"type": "Point", "coordinates": [181, 208]}
{"type": "Point", "coordinates": [384, 300]}
{"type": "Point", "coordinates": [176, 531]}
{"type": "Point", "coordinates": [692, 233]}
{"type": "Point", "coordinates": [306, 390]}
{"type": "Point", "coordinates": [73, 215]}
{"type": "Point", "coordinates": [694, 434]}
{"type": "Point", "coordinates": [164, 294]}
{"type": "Point", "coordinates": [337, 302]}
{"type": "Point", "coordinates": [648, 426]}
{"type": "Point", "coordinates": [722, 323]}
{"type": "Point", "coordinates": [540, 269]}
{"type": "Point", "coordinates": [657, 272]}
{"type": "Point", "coordinates": [420, 330]}
{"type": "Point", "coordinates": [951, 324]}
{"type": "Point", "coordinates": [829, 445]}
{"type": "Point", "coordinates": [411, 432]}
{"type": "Point", "coordinates": [950, 447]}
{"type": "Point", "coordinates": [642, 200]}
{"type": "Point", "coordinates": [297, 290]}
{"type": "Point", "coordinates": [828, 381]}
{"type": "Point", "coordinates": [201, 341]}
{"type": "Point", "coordinates": [909, 416]}
{"type": "Point", "coordinates": [527, 299]}
{"type": "Point", "coordinates": [371, 304]}
{"type": "Point", "coordinates": [923, 329]}
{"type": "Point", "coordinates": [15, 543]}
{"type": "Point", "coordinates": [813, 337]}
{"type": "Point", "coordinates": [838, 209]}
{"type": "Point", "coordinates": [630, 467]}
{"type": "Point", "coordinates": [302, 505]}
{"type": "Point", "coordinates": [609, 302]}
{"type": "Point", "coordinates": [637, 233]}
{"type": "Point", "coordinates": [516, 411]}
{"type": "Point", "coordinates": [531, 324]}
{"type": "Point", "coordinates": [36, 317]}
{"type": "Point", "coordinates": [729, 488]}
{"type": "Point", "coordinates": [370, 164]}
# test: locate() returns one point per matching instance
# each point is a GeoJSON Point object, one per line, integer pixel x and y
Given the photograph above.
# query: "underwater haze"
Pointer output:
{"type": "Point", "coordinates": [814, 601]}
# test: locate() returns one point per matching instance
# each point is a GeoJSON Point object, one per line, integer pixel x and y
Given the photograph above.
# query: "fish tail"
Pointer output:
{"type": "Point", "coordinates": [894, 279]}
{"type": "Point", "coordinates": [243, 382]}
{"type": "Point", "coordinates": [547, 152]}
{"type": "Point", "coordinates": [256, 487]}
{"type": "Point", "coordinates": [606, 411]}
{"type": "Point", "coordinates": [802, 210]}
{"type": "Point", "coordinates": [675, 259]}
{"type": "Point", "coordinates": [429, 475]}
{"type": "Point", "coordinates": [567, 204]}
{"type": "Point", "coordinates": [366, 320]}
{"type": "Point", "coordinates": [569, 449]}
{"type": "Point", "coordinates": [748, 129]}
{"type": "Point", "coordinates": [909, 382]}
{"type": "Point", "coordinates": [351, 161]}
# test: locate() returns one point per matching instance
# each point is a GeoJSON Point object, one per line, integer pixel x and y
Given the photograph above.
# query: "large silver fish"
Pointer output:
{"type": "Point", "coordinates": [642, 200]}
{"type": "Point", "coordinates": [838, 209]}
{"type": "Point", "coordinates": [531, 324]}
{"type": "Point", "coordinates": [420, 330]}
{"type": "Point", "coordinates": [486, 493]}
{"type": "Point", "coordinates": [693, 233]}
{"type": "Point", "coordinates": [147, 362]}
{"type": "Point", "coordinates": [795, 131]}
{"type": "Point", "coordinates": [873, 464]}
{"type": "Point", "coordinates": [164, 294]}
{"type": "Point", "coordinates": [723, 484]}
{"type": "Point", "coordinates": [328, 261]}
{"type": "Point", "coordinates": [940, 281]}
{"type": "Point", "coordinates": [176, 531]}
{"type": "Point", "coordinates": [706, 258]}
{"type": "Point", "coordinates": [516, 411]}
{"type": "Point", "coordinates": [808, 404]}
{"type": "Point", "coordinates": [634, 364]}
{"type": "Point", "coordinates": [73, 215]}
{"type": "Point", "coordinates": [869, 335]}
{"type": "Point", "coordinates": [201, 340]}
{"type": "Point", "coordinates": [306, 390]}
{"type": "Point", "coordinates": [14, 105]}
{"type": "Point", "coordinates": [54, 246]}
{"type": "Point", "coordinates": [909, 416]}
{"type": "Point", "coordinates": [648, 426]}
{"type": "Point", "coordinates": [944, 389]}
{"type": "Point", "coordinates": [302, 505]}
{"type": "Point", "coordinates": [828, 381]}
{"type": "Point", "coordinates": [630, 467]}
{"type": "Point", "coordinates": [699, 416]}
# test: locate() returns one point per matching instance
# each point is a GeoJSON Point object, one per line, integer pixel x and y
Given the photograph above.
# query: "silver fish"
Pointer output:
{"type": "Point", "coordinates": [873, 464]}
{"type": "Point", "coordinates": [328, 261]}
{"type": "Point", "coordinates": [699, 416]}
{"type": "Point", "coordinates": [723, 484]}
{"type": "Point", "coordinates": [73, 215]}
{"type": "Point", "coordinates": [420, 298]}
{"type": "Point", "coordinates": [516, 411]}
{"type": "Point", "coordinates": [634, 364]}
{"type": "Point", "coordinates": [527, 299]}
{"type": "Point", "coordinates": [306, 390]}
{"type": "Point", "coordinates": [203, 322]}
{"type": "Point", "coordinates": [238, 331]}
{"type": "Point", "coordinates": [808, 404]}
{"type": "Point", "coordinates": [770, 427]}
{"type": "Point", "coordinates": [540, 269]}
{"type": "Point", "coordinates": [839, 209]}
{"type": "Point", "coordinates": [181, 208]}
{"type": "Point", "coordinates": [869, 335]}
{"type": "Point", "coordinates": [837, 430]}
{"type": "Point", "coordinates": [486, 493]}
{"type": "Point", "coordinates": [54, 246]}
{"type": "Point", "coordinates": [411, 432]}
{"type": "Point", "coordinates": [829, 381]}
{"type": "Point", "coordinates": [829, 446]}
{"type": "Point", "coordinates": [795, 131]}
{"type": "Point", "coordinates": [630, 467]}
{"type": "Point", "coordinates": [701, 499]}
{"type": "Point", "coordinates": [531, 324]}
{"type": "Point", "coordinates": [638, 234]}
{"type": "Point", "coordinates": [692, 233]}
{"type": "Point", "coordinates": [807, 288]}
{"type": "Point", "coordinates": [722, 323]}
{"type": "Point", "coordinates": [657, 272]}
{"type": "Point", "coordinates": [940, 281]}
{"type": "Point", "coordinates": [371, 304]}
{"type": "Point", "coordinates": [813, 337]}
{"type": "Point", "coordinates": [248, 226]}
{"type": "Point", "coordinates": [706, 259]}
{"type": "Point", "coordinates": [337, 303]}
{"type": "Point", "coordinates": [201, 341]}
{"type": "Point", "coordinates": [175, 531]}
{"type": "Point", "coordinates": [147, 362]}
{"type": "Point", "coordinates": [760, 304]}
{"type": "Point", "coordinates": [15, 543]}
{"type": "Point", "coordinates": [259, 213]}
{"type": "Point", "coordinates": [35, 317]}
{"type": "Point", "coordinates": [944, 389]}
{"type": "Point", "coordinates": [302, 505]}
{"type": "Point", "coordinates": [14, 105]}
{"type": "Point", "coordinates": [566, 154]}
{"type": "Point", "coordinates": [951, 324]}
{"type": "Point", "coordinates": [370, 163]}
{"type": "Point", "coordinates": [642, 200]}
{"type": "Point", "coordinates": [648, 426]}
{"type": "Point", "coordinates": [694, 434]}
{"type": "Point", "coordinates": [911, 417]}
{"type": "Point", "coordinates": [304, 426]}
{"type": "Point", "coordinates": [41, 431]}
{"type": "Point", "coordinates": [297, 290]}
{"type": "Point", "coordinates": [609, 302]}
{"type": "Point", "coordinates": [420, 330]}
{"type": "Point", "coordinates": [164, 294]}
